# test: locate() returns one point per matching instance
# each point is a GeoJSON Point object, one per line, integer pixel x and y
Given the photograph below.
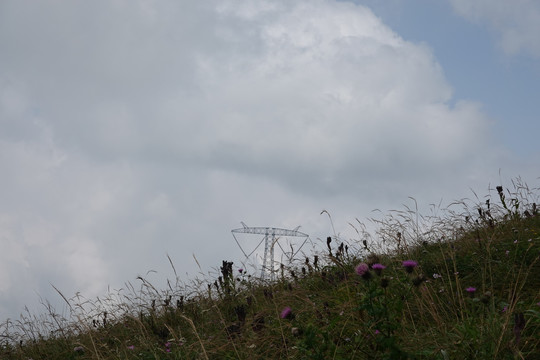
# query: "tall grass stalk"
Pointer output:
{"type": "Point", "coordinates": [461, 283]}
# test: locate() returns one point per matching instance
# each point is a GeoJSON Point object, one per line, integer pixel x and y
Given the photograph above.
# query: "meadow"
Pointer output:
{"type": "Point", "coordinates": [461, 283]}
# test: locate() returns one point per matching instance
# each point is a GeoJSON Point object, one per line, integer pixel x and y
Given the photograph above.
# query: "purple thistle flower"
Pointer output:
{"type": "Point", "coordinates": [378, 268]}
{"type": "Point", "coordinates": [286, 313]}
{"type": "Point", "coordinates": [240, 270]}
{"type": "Point", "coordinates": [471, 290]}
{"type": "Point", "coordinates": [409, 265]}
{"type": "Point", "coordinates": [362, 269]}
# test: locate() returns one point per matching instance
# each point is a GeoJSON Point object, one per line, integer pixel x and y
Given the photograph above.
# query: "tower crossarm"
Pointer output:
{"type": "Point", "coordinates": [269, 231]}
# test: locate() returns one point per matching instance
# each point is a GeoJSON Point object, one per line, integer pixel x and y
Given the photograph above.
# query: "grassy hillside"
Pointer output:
{"type": "Point", "coordinates": [462, 286]}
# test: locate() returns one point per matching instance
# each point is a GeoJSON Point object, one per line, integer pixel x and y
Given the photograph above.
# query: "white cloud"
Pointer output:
{"type": "Point", "coordinates": [132, 131]}
{"type": "Point", "coordinates": [340, 90]}
{"type": "Point", "coordinates": [516, 22]}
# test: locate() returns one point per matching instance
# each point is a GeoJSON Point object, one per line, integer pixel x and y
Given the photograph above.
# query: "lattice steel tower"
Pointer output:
{"type": "Point", "coordinates": [271, 236]}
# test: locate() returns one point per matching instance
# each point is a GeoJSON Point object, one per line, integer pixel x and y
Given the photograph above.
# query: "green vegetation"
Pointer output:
{"type": "Point", "coordinates": [462, 286]}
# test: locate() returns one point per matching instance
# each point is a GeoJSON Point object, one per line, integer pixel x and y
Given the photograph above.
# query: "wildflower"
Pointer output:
{"type": "Point", "coordinates": [504, 309]}
{"type": "Point", "coordinates": [437, 276]}
{"type": "Point", "coordinates": [363, 270]}
{"type": "Point", "coordinates": [131, 347]}
{"type": "Point", "coordinates": [515, 241]}
{"type": "Point", "coordinates": [470, 290]}
{"type": "Point", "coordinates": [286, 313]}
{"type": "Point", "coordinates": [378, 268]}
{"type": "Point", "coordinates": [409, 265]}
{"type": "Point", "coordinates": [78, 349]}
{"type": "Point", "coordinates": [240, 270]}
{"type": "Point", "coordinates": [507, 252]}
{"type": "Point", "coordinates": [377, 332]}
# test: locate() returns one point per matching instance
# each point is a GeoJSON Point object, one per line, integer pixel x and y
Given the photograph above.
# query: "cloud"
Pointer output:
{"type": "Point", "coordinates": [516, 22]}
{"type": "Point", "coordinates": [132, 130]}
{"type": "Point", "coordinates": [342, 91]}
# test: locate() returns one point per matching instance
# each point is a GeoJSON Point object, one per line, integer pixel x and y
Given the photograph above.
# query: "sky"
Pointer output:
{"type": "Point", "coordinates": [133, 130]}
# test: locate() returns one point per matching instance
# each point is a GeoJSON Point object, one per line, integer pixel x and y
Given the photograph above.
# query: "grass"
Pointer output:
{"type": "Point", "coordinates": [465, 285]}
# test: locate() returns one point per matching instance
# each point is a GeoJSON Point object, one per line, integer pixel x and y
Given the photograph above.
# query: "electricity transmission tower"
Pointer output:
{"type": "Point", "coordinates": [271, 235]}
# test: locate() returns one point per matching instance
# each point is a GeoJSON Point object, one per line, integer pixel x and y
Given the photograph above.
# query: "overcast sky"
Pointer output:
{"type": "Point", "coordinates": [130, 130]}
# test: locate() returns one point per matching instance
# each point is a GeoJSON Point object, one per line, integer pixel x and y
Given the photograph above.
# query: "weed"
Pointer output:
{"type": "Point", "coordinates": [460, 286]}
